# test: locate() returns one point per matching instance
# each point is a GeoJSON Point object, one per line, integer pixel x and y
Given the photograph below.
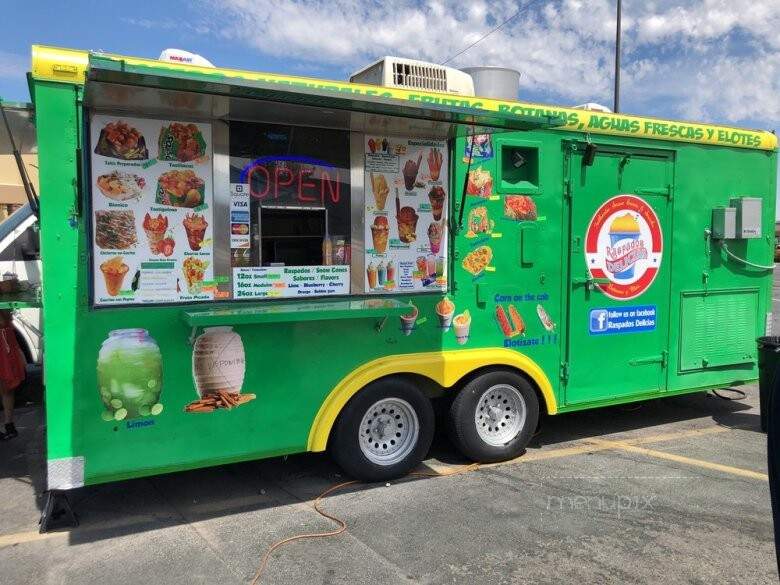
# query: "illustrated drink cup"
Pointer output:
{"type": "Point", "coordinates": [194, 272]}
{"type": "Point", "coordinates": [445, 309]}
{"type": "Point", "coordinates": [408, 321]}
{"type": "Point", "coordinates": [371, 273]}
{"type": "Point", "coordinates": [431, 265]}
{"type": "Point", "coordinates": [154, 228]}
{"type": "Point", "coordinates": [379, 233]}
{"type": "Point", "coordinates": [410, 172]}
{"type": "Point", "coordinates": [391, 271]}
{"type": "Point", "coordinates": [380, 189]}
{"type": "Point", "coordinates": [381, 274]}
{"type": "Point", "coordinates": [195, 225]}
{"type": "Point", "coordinates": [462, 326]}
{"type": "Point", "coordinates": [434, 236]}
{"type": "Point", "coordinates": [407, 224]}
{"type": "Point", "coordinates": [624, 228]}
{"type": "Point", "coordinates": [114, 272]}
{"type": "Point", "coordinates": [436, 197]}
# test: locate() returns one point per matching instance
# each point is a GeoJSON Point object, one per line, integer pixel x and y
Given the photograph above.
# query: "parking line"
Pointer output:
{"type": "Point", "coordinates": [22, 537]}
{"type": "Point", "coordinates": [588, 446]}
{"type": "Point", "coordinates": [625, 446]}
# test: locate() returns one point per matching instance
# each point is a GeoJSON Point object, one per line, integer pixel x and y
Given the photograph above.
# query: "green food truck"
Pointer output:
{"type": "Point", "coordinates": [240, 265]}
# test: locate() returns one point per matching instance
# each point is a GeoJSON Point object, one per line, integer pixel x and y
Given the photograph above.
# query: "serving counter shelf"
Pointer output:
{"type": "Point", "coordinates": [293, 312]}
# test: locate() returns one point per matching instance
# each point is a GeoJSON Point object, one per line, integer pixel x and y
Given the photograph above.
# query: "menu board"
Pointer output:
{"type": "Point", "coordinates": [151, 210]}
{"type": "Point", "coordinates": [405, 214]}
{"type": "Point", "coordinates": [290, 281]}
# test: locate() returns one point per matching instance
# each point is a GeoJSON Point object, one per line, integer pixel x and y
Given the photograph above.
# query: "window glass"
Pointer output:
{"type": "Point", "coordinates": [184, 211]}
{"type": "Point", "coordinates": [290, 211]}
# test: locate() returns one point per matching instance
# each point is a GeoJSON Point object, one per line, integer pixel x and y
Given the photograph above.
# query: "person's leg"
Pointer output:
{"type": "Point", "coordinates": [8, 405]}
{"type": "Point", "coordinates": [8, 413]}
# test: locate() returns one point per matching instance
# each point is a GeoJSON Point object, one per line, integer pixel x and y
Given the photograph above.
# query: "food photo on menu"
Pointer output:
{"type": "Point", "coordinates": [151, 210]}
{"type": "Point", "coordinates": [121, 186]}
{"type": "Point", "coordinates": [181, 142]}
{"type": "Point", "coordinates": [120, 140]}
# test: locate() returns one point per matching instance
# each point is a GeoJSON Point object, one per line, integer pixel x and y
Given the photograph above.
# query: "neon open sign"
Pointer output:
{"type": "Point", "coordinates": [308, 180]}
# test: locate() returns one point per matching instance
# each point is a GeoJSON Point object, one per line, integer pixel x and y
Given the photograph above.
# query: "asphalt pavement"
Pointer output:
{"type": "Point", "coordinates": [671, 490]}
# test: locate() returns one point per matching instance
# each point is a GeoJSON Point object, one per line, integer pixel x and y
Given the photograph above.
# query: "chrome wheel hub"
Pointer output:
{"type": "Point", "coordinates": [389, 431]}
{"type": "Point", "coordinates": [500, 415]}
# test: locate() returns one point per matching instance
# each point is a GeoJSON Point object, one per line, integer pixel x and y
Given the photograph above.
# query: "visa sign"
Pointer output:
{"type": "Point", "coordinates": [622, 320]}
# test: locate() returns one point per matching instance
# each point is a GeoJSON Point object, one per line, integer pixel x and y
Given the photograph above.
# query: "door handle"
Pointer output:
{"type": "Point", "coordinates": [653, 359]}
{"type": "Point", "coordinates": [589, 282]}
{"type": "Point", "coordinates": [665, 191]}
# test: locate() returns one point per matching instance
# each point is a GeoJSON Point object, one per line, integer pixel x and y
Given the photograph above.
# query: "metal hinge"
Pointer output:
{"type": "Point", "coordinates": [567, 188]}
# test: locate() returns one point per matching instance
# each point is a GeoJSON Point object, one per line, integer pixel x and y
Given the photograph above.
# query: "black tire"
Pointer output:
{"type": "Point", "coordinates": [463, 426]}
{"type": "Point", "coordinates": [345, 446]}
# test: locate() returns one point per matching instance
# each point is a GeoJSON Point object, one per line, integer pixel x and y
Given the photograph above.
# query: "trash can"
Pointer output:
{"type": "Point", "coordinates": [768, 360]}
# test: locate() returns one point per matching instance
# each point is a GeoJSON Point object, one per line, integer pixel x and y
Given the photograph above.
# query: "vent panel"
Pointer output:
{"type": "Point", "coordinates": [718, 328]}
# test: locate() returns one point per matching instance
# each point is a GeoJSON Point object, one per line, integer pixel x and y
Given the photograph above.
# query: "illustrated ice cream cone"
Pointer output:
{"type": "Point", "coordinates": [623, 228]}
{"type": "Point", "coordinates": [445, 309]}
{"type": "Point", "coordinates": [435, 230]}
{"type": "Point", "coordinates": [380, 189]}
{"type": "Point", "coordinates": [371, 273]}
{"type": "Point", "coordinates": [436, 196]}
{"type": "Point", "coordinates": [380, 231]}
{"type": "Point", "coordinates": [408, 321]}
{"type": "Point", "coordinates": [462, 325]}
{"type": "Point", "coordinates": [114, 272]}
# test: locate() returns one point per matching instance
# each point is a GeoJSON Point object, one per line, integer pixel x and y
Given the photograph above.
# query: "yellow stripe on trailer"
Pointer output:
{"type": "Point", "coordinates": [443, 367]}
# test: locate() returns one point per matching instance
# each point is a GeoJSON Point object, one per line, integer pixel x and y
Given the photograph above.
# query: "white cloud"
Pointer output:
{"type": "Point", "coordinates": [709, 59]}
{"type": "Point", "coordinates": [12, 65]}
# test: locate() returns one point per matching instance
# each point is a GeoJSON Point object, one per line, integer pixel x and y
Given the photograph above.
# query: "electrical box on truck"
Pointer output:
{"type": "Point", "coordinates": [748, 216]}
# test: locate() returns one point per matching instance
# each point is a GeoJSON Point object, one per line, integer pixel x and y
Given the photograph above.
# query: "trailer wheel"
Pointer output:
{"type": "Point", "coordinates": [384, 431]}
{"type": "Point", "coordinates": [494, 416]}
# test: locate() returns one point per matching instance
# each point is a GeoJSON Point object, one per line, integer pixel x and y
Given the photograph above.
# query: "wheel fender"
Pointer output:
{"type": "Point", "coordinates": [445, 368]}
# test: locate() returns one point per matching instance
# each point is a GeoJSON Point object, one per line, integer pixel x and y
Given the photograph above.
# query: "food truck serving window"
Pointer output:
{"type": "Point", "coordinates": [188, 211]}
{"type": "Point", "coordinates": [290, 211]}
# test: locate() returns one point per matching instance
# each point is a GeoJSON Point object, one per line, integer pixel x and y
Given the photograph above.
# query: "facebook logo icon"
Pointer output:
{"type": "Point", "coordinates": [598, 320]}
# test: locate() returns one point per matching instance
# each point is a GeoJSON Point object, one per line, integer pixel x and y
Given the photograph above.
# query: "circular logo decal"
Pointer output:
{"type": "Point", "coordinates": [624, 244]}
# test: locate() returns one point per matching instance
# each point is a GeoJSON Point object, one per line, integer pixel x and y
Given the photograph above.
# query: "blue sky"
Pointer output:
{"type": "Point", "coordinates": [708, 60]}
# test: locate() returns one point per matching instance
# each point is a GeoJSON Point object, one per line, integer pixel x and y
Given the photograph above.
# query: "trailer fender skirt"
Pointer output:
{"type": "Point", "coordinates": [443, 367]}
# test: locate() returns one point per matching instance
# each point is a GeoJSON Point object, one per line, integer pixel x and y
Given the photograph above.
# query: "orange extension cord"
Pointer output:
{"type": "Point", "coordinates": [342, 525]}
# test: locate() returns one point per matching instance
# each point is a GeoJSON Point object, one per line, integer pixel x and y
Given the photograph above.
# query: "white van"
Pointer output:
{"type": "Point", "coordinates": [20, 255]}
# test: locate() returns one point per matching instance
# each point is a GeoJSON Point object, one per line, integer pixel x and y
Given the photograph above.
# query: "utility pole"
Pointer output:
{"type": "Point", "coordinates": [616, 106]}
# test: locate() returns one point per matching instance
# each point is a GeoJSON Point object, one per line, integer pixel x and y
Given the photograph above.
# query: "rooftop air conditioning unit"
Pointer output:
{"type": "Point", "coordinates": [411, 74]}
{"type": "Point", "coordinates": [184, 57]}
{"type": "Point", "coordinates": [593, 107]}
